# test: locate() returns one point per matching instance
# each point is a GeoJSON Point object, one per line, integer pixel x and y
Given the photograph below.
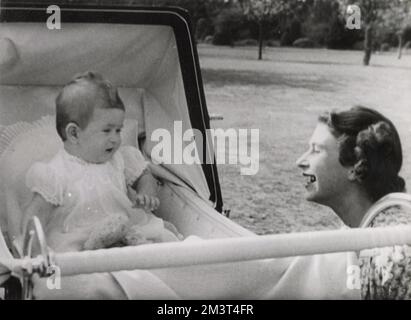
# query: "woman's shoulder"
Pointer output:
{"type": "Point", "coordinates": [392, 216]}
{"type": "Point", "coordinates": [385, 272]}
{"type": "Point", "coordinates": [391, 210]}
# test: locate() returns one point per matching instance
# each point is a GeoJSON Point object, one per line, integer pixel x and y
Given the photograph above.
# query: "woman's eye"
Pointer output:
{"type": "Point", "coordinates": [118, 130]}
{"type": "Point", "coordinates": [106, 130]}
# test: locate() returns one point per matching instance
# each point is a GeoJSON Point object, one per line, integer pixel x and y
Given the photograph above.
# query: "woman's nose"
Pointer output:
{"type": "Point", "coordinates": [302, 161]}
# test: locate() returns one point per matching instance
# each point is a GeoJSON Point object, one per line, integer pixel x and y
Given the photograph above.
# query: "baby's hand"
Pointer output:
{"type": "Point", "coordinates": [142, 200]}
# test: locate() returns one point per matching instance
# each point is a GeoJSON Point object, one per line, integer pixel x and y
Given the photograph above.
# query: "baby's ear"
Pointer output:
{"type": "Point", "coordinates": [72, 130]}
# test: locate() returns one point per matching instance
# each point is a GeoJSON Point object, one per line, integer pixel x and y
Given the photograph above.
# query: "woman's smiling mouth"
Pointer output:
{"type": "Point", "coordinates": [311, 180]}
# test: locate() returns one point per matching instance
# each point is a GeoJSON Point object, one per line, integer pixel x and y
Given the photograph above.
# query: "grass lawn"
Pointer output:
{"type": "Point", "coordinates": [282, 97]}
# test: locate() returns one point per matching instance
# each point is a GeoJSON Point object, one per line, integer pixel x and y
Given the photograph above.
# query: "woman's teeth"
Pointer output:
{"type": "Point", "coordinates": [311, 178]}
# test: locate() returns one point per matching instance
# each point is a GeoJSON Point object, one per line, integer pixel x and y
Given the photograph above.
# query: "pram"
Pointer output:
{"type": "Point", "coordinates": [150, 54]}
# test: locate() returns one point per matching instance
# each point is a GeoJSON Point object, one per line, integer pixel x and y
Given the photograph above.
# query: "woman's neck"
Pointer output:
{"type": "Point", "coordinates": [352, 208]}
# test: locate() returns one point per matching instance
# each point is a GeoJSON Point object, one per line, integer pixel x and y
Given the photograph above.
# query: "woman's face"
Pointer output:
{"type": "Point", "coordinates": [327, 179]}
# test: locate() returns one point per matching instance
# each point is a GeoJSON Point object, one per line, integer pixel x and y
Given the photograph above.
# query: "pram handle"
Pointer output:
{"type": "Point", "coordinates": [190, 253]}
{"type": "Point", "coordinates": [201, 252]}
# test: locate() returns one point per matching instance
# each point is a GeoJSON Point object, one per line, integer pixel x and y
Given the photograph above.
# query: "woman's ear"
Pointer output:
{"type": "Point", "coordinates": [358, 172]}
{"type": "Point", "coordinates": [352, 175]}
{"type": "Point", "coordinates": [72, 131]}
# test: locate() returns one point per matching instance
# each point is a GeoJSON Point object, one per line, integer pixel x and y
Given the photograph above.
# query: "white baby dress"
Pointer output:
{"type": "Point", "coordinates": [85, 193]}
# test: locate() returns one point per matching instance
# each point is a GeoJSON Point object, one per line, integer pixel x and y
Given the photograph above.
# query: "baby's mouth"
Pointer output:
{"type": "Point", "coordinates": [311, 179]}
{"type": "Point", "coordinates": [109, 150]}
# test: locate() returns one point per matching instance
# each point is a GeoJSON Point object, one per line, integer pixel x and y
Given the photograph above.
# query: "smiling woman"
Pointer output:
{"type": "Point", "coordinates": [321, 166]}
{"type": "Point", "coordinates": [353, 155]}
{"type": "Point", "coordinates": [353, 161]}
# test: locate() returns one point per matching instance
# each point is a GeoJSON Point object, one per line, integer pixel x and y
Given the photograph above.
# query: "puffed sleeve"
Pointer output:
{"type": "Point", "coordinates": [42, 179]}
{"type": "Point", "coordinates": [386, 272]}
{"type": "Point", "coordinates": [134, 163]}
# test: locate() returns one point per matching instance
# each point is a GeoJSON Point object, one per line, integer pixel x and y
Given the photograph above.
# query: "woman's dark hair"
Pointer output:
{"type": "Point", "coordinates": [370, 143]}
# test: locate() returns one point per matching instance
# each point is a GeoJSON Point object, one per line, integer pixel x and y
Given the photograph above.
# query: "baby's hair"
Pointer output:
{"type": "Point", "coordinates": [79, 98]}
{"type": "Point", "coordinates": [370, 143]}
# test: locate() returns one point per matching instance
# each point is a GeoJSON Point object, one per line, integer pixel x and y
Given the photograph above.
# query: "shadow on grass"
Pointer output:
{"type": "Point", "coordinates": [223, 77]}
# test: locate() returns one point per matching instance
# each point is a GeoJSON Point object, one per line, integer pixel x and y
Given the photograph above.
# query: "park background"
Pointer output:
{"type": "Point", "coordinates": [275, 66]}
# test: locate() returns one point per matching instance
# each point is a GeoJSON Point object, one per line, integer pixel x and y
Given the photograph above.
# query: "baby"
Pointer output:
{"type": "Point", "coordinates": [94, 193]}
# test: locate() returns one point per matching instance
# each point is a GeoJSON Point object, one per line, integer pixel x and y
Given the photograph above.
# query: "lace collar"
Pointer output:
{"type": "Point", "coordinates": [72, 158]}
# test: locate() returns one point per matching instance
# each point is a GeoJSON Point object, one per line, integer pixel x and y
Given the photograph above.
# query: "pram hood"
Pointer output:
{"type": "Point", "coordinates": [147, 52]}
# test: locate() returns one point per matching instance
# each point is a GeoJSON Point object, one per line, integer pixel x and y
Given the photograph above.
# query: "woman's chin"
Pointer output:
{"type": "Point", "coordinates": [311, 194]}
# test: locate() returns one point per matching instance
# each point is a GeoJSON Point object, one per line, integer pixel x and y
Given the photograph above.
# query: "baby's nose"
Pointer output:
{"type": "Point", "coordinates": [115, 138]}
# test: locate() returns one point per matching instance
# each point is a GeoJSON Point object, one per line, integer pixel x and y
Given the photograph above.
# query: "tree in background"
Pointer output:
{"type": "Point", "coordinates": [397, 19]}
{"type": "Point", "coordinates": [338, 37]}
{"type": "Point", "coordinates": [262, 12]}
{"type": "Point", "coordinates": [292, 32]}
{"type": "Point", "coordinates": [370, 15]}
{"type": "Point", "coordinates": [377, 14]}
{"type": "Point", "coordinates": [319, 20]}
{"type": "Point", "coordinates": [227, 25]}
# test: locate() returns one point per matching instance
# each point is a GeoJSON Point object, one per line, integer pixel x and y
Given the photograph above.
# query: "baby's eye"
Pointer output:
{"type": "Point", "coordinates": [119, 130]}
{"type": "Point", "coordinates": [106, 130]}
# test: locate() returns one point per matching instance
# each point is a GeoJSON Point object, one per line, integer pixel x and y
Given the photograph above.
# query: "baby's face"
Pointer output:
{"type": "Point", "coordinates": [101, 138]}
